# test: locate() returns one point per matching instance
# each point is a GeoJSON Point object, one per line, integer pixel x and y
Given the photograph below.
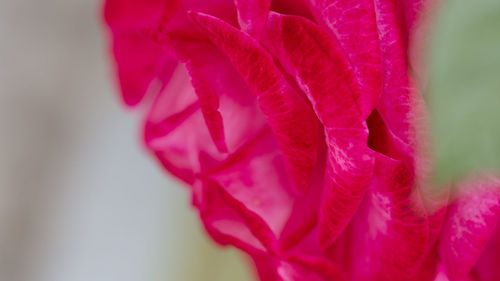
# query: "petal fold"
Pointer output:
{"type": "Point", "coordinates": [288, 114]}
{"type": "Point", "coordinates": [353, 24]}
{"type": "Point", "coordinates": [325, 76]}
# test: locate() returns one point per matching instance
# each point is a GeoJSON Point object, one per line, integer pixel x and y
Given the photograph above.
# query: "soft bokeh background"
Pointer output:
{"type": "Point", "coordinates": [79, 198]}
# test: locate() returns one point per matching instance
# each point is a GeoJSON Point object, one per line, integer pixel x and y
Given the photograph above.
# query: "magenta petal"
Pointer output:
{"type": "Point", "coordinates": [255, 175]}
{"type": "Point", "coordinates": [292, 7]}
{"type": "Point", "coordinates": [390, 234]}
{"type": "Point", "coordinates": [298, 268]}
{"type": "Point", "coordinates": [133, 14]}
{"type": "Point", "coordinates": [428, 268]}
{"type": "Point", "coordinates": [204, 65]}
{"type": "Point", "coordinates": [398, 105]}
{"type": "Point", "coordinates": [354, 25]}
{"type": "Point", "coordinates": [230, 221]}
{"type": "Point", "coordinates": [324, 74]}
{"type": "Point", "coordinates": [209, 103]}
{"type": "Point", "coordinates": [265, 266]}
{"type": "Point", "coordinates": [252, 180]}
{"type": "Point", "coordinates": [471, 221]}
{"type": "Point", "coordinates": [304, 217]}
{"type": "Point", "coordinates": [169, 127]}
{"type": "Point", "coordinates": [223, 221]}
{"type": "Point", "coordinates": [137, 27]}
{"type": "Point", "coordinates": [138, 62]}
{"type": "Point", "coordinates": [289, 115]}
{"type": "Point", "coordinates": [229, 107]}
{"type": "Point", "coordinates": [410, 14]}
{"type": "Point", "coordinates": [176, 129]}
{"type": "Point", "coordinates": [252, 15]}
{"type": "Point", "coordinates": [486, 268]}
{"type": "Point", "coordinates": [138, 59]}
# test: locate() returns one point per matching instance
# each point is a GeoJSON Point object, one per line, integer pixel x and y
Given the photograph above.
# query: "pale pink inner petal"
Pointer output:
{"type": "Point", "coordinates": [256, 176]}
{"type": "Point", "coordinates": [288, 114]}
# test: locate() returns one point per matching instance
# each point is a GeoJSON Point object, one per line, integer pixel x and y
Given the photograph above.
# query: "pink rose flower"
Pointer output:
{"type": "Point", "coordinates": [299, 128]}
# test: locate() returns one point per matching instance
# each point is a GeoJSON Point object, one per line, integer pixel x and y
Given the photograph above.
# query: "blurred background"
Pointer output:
{"type": "Point", "coordinates": [79, 198]}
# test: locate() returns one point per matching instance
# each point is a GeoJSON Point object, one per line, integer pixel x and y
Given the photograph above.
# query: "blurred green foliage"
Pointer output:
{"type": "Point", "coordinates": [464, 88]}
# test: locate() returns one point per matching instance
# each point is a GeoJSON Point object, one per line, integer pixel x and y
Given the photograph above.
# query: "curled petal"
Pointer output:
{"type": "Point", "coordinates": [389, 236]}
{"type": "Point", "coordinates": [324, 74]}
{"type": "Point", "coordinates": [401, 105]}
{"type": "Point", "coordinates": [223, 213]}
{"type": "Point", "coordinates": [205, 65]}
{"type": "Point", "coordinates": [168, 130]}
{"type": "Point", "coordinates": [224, 221]}
{"type": "Point", "coordinates": [289, 115]}
{"type": "Point", "coordinates": [176, 131]}
{"type": "Point", "coordinates": [255, 175]}
{"type": "Point", "coordinates": [399, 95]}
{"type": "Point", "coordinates": [353, 24]}
{"type": "Point", "coordinates": [229, 107]}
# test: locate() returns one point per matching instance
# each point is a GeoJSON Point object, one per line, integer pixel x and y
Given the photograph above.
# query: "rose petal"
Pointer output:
{"type": "Point", "coordinates": [428, 268]}
{"type": "Point", "coordinates": [434, 206]}
{"type": "Point", "coordinates": [296, 268]}
{"type": "Point", "coordinates": [229, 107]}
{"type": "Point", "coordinates": [353, 24]}
{"type": "Point", "coordinates": [288, 114]}
{"type": "Point", "coordinates": [265, 266]}
{"type": "Point", "coordinates": [304, 216]}
{"type": "Point", "coordinates": [470, 223]}
{"type": "Point", "coordinates": [168, 130]}
{"type": "Point", "coordinates": [205, 65]}
{"type": "Point", "coordinates": [223, 213]}
{"type": "Point", "coordinates": [131, 14]}
{"type": "Point", "coordinates": [410, 14]}
{"type": "Point", "coordinates": [138, 61]}
{"type": "Point", "coordinates": [325, 76]}
{"type": "Point", "coordinates": [256, 176]}
{"type": "Point", "coordinates": [252, 15]}
{"type": "Point", "coordinates": [136, 26]}
{"type": "Point", "coordinates": [389, 235]}
{"type": "Point", "coordinates": [401, 105]}
{"type": "Point", "coordinates": [399, 96]}
{"type": "Point", "coordinates": [486, 268]}
{"type": "Point", "coordinates": [176, 131]}
{"type": "Point", "coordinates": [292, 7]}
